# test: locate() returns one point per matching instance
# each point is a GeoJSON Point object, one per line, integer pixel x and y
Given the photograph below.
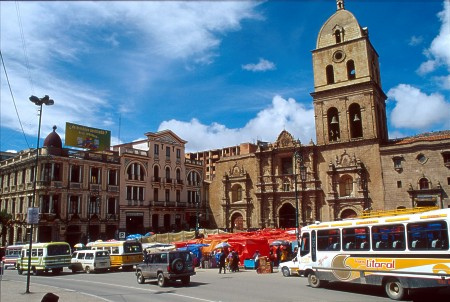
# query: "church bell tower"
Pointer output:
{"type": "Point", "coordinates": [349, 103]}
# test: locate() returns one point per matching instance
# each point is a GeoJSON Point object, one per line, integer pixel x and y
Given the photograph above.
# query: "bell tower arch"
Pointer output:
{"type": "Point", "coordinates": [349, 102]}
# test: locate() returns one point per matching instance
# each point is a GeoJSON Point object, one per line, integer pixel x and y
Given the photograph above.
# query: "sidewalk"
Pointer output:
{"type": "Point", "coordinates": [14, 291]}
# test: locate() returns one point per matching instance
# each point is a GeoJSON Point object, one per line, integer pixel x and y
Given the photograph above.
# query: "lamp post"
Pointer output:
{"type": "Point", "coordinates": [39, 102]}
{"type": "Point", "coordinates": [297, 155]}
{"type": "Point", "coordinates": [197, 203]}
{"type": "Point", "coordinates": [303, 179]}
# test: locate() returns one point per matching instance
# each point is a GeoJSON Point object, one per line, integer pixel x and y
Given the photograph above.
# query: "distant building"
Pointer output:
{"type": "Point", "coordinates": [352, 168]}
{"type": "Point", "coordinates": [77, 193]}
{"type": "Point", "coordinates": [161, 190]}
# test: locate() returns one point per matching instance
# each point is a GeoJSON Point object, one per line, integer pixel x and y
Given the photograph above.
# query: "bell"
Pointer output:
{"type": "Point", "coordinates": [356, 119]}
{"type": "Point", "coordinates": [334, 120]}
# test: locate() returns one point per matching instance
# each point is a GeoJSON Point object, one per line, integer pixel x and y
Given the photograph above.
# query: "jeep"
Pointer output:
{"type": "Point", "coordinates": [166, 266]}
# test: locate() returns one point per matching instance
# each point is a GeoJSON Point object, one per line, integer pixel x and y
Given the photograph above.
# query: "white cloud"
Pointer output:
{"type": "Point", "coordinates": [438, 53]}
{"type": "Point", "coordinates": [59, 44]}
{"type": "Point", "coordinates": [266, 126]}
{"type": "Point", "coordinates": [262, 65]}
{"type": "Point", "coordinates": [414, 40]}
{"type": "Point", "coordinates": [417, 110]}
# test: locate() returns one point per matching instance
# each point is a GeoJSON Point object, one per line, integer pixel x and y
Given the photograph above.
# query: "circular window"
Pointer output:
{"type": "Point", "coordinates": [421, 158]}
{"type": "Point", "coordinates": [338, 56]}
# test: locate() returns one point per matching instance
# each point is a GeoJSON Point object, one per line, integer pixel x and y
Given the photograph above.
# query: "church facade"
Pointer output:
{"type": "Point", "coordinates": [352, 168]}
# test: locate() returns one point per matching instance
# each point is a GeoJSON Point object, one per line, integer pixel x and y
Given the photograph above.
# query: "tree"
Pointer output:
{"type": "Point", "coordinates": [6, 220]}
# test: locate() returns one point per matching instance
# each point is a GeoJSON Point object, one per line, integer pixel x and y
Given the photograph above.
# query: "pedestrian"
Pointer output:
{"type": "Point", "coordinates": [235, 262]}
{"type": "Point", "coordinates": [222, 258]}
{"type": "Point", "coordinates": [256, 256]}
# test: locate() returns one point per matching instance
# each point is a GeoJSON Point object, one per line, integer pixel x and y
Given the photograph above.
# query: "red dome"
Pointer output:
{"type": "Point", "coordinates": [53, 140]}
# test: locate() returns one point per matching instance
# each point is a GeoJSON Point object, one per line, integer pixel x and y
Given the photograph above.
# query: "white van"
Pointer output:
{"type": "Point", "coordinates": [90, 261]}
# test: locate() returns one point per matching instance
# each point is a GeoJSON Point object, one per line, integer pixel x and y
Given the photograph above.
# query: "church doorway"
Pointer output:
{"type": "Point", "coordinates": [348, 214]}
{"type": "Point", "coordinates": [237, 222]}
{"type": "Point", "coordinates": [287, 216]}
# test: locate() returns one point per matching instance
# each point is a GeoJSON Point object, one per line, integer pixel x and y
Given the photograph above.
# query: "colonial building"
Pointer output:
{"type": "Point", "coordinates": [352, 167]}
{"type": "Point", "coordinates": [77, 193]}
{"type": "Point", "coordinates": [161, 190]}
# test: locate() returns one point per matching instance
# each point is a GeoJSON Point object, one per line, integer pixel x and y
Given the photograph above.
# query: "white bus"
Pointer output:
{"type": "Point", "coordinates": [45, 256]}
{"type": "Point", "coordinates": [399, 252]}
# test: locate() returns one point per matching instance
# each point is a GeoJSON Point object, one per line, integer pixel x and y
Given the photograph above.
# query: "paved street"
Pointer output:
{"type": "Point", "coordinates": [207, 285]}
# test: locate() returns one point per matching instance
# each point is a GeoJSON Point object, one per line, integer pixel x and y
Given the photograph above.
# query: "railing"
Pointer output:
{"type": "Point", "coordinates": [113, 188]}
{"type": "Point", "coordinates": [75, 185]}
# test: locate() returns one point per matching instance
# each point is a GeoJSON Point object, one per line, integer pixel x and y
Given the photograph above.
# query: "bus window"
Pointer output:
{"type": "Point", "coordinates": [305, 247]}
{"type": "Point", "coordinates": [40, 252]}
{"type": "Point", "coordinates": [388, 237]}
{"type": "Point", "coordinates": [33, 252]}
{"type": "Point", "coordinates": [356, 238]}
{"type": "Point", "coordinates": [115, 250]}
{"type": "Point", "coordinates": [328, 240]}
{"type": "Point", "coordinates": [427, 235]}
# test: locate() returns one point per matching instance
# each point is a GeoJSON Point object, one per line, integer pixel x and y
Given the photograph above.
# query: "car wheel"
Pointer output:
{"type": "Point", "coordinates": [314, 281]}
{"type": "Point", "coordinates": [56, 271]}
{"type": "Point", "coordinates": [186, 280]}
{"type": "Point", "coordinates": [394, 289]}
{"type": "Point", "coordinates": [87, 270]}
{"type": "Point", "coordinates": [178, 265]}
{"type": "Point", "coordinates": [161, 280]}
{"type": "Point", "coordinates": [285, 271]}
{"type": "Point", "coordinates": [74, 271]}
{"type": "Point", "coordinates": [140, 278]}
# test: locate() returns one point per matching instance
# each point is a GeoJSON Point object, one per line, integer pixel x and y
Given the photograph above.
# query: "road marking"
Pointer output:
{"type": "Point", "coordinates": [68, 290]}
{"type": "Point", "coordinates": [138, 288]}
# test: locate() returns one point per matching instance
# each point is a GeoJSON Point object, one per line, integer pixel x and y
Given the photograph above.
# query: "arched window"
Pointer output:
{"type": "Point", "coordinates": [178, 175]}
{"type": "Point", "coordinates": [333, 124]}
{"type": "Point", "coordinates": [156, 173]}
{"type": "Point", "coordinates": [167, 173]}
{"type": "Point", "coordinates": [193, 178]}
{"type": "Point", "coordinates": [346, 186]}
{"type": "Point", "coordinates": [330, 74]}
{"type": "Point", "coordinates": [351, 73]}
{"type": "Point", "coordinates": [354, 116]}
{"type": "Point", "coordinates": [424, 184]}
{"type": "Point", "coordinates": [135, 171]}
{"type": "Point", "coordinates": [236, 193]}
{"type": "Point", "coordinates": [337, 34]}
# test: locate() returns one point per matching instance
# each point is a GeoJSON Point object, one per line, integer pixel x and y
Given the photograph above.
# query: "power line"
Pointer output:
{"type": "Point", "coordinates": [12, 96]}
{"type": "Point", "coordinates": [24, 47]}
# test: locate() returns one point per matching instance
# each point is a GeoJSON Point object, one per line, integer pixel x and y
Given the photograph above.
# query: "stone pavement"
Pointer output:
{"type": "Point", "coordinates": [14, 291]}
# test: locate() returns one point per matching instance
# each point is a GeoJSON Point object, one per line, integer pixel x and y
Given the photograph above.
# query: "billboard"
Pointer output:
{"type": "Point", "coordinates": [87, 137]}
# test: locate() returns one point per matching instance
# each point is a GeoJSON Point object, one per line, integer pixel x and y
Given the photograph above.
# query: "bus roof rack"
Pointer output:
{"type": "Point", "coordinates": [382, 213]}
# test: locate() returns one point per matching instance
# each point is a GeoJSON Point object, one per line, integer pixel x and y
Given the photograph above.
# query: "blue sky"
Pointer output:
{"type": "Point", "coordinates": [217, 73]}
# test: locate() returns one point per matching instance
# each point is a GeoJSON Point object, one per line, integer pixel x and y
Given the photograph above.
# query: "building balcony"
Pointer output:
{"type": "Point", "coordinates": [113, 188]}
{"type": "Point", "coordinates": [57, 184]}
{"type": "Point", "coordinates": [131, 202]}
{"type": "Point", "coordinates": [156, 179]}
{"type": "Point", "coordinates": [75, 185]}
{"type": "Point", "coordinates": [94, 187]}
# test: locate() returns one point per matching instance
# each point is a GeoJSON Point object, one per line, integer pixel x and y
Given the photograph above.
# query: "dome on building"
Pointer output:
{"type": "Point", "coordinates": [340, 27]}
{"type": "Point", "coordinates": [53, 140]}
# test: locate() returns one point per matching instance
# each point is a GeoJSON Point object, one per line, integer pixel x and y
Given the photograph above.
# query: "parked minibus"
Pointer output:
{"type": "Point", "coordinates": [123, 254]}
{"type": "Point", "coordinates": [90, 261]}
{"type": "Point", "coordinates": [45, 256]}
{"type": "Point", "coordinates": [399, 252]}
{"type": "Point", "coordinates": [12, 253]}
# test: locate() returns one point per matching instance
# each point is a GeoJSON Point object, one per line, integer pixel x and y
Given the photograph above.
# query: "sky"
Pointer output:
{"type": "Point", "coordinates": [216, 73]}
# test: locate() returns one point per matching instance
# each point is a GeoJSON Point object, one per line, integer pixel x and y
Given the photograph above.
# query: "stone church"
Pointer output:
{"type": "Point", "coordinates": [352, 168]}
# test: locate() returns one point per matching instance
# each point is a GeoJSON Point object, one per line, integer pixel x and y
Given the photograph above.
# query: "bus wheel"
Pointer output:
{"type": "Point", "coordinates": [140, 278]}
{"type": "Point", "coordinates": [394, 289]}
{"type": "Point", "coordinates": [19, 270]}
{"type": "Point", "coordinates": [56, 271]}
{"type": "Point", "coordinates": [161, 280]}
{"type": "Point", "coordinates": [313, 281]}
{"type": "Point", "coordinates": [285, 271]}
{"type": "Point", "coordinates": [35, 271]}
{"type": "Point", "coordinates": [87, 270]}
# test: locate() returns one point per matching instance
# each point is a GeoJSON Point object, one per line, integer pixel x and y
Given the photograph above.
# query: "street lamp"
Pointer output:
{"type": "Point", "coordinates": [303, 179]}
{"type": "Point", "coordinates": [197, 204]}
{"type": "Point", "coordinates": [297, 156]}
{"type": "Point", "coordinates": [39, 102]}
